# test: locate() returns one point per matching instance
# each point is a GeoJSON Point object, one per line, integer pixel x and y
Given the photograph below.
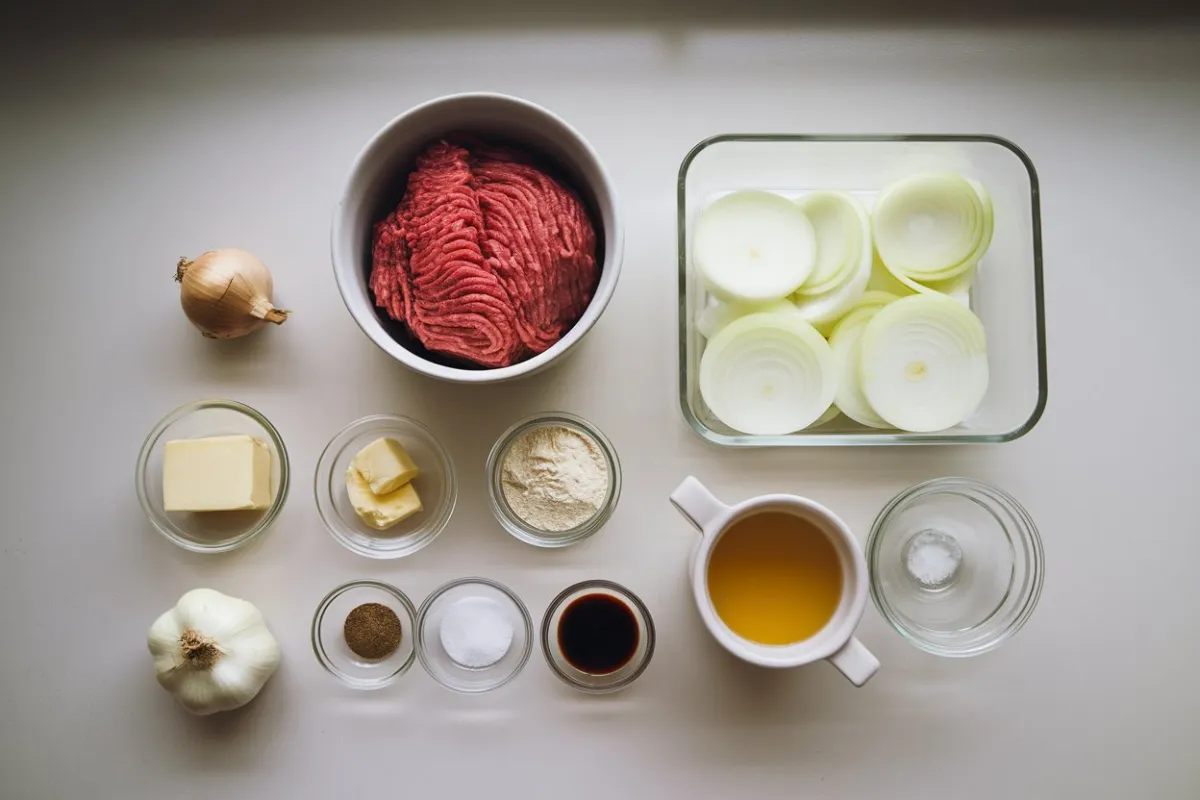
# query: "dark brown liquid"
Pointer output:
{"type": "Point", "coordinates": [598, 634]}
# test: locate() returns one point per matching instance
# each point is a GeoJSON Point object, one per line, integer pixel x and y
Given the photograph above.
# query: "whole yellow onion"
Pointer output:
{"type": "Point", "coordinates": [226, 293]}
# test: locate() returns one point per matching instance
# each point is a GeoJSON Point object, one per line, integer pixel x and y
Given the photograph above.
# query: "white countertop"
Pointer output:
{"type": "Point", "coordinates": [118, 158]}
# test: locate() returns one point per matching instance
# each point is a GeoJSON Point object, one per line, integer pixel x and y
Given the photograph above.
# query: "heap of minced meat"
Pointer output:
{"type": "Point", "coordinates": [487, 258]}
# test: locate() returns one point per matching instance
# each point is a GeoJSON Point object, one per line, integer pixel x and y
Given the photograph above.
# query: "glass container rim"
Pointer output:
{"type": "Point", "coordinates": [451, 479]}
{"type": "Point", "coordinates": [509, 520]}
{"type": "Point", "coordinates": [864, 439]}
{"type": "Point", "coordinates": [1028, 536]}
{"type": "Point", "coordinates": [627, 595]}
{"type": "Point", "coordinates": [438, 593]}
{"type": "Point", "coordinates": [319, 648]}
{"type": "Point", "coordinates": [277, 502]}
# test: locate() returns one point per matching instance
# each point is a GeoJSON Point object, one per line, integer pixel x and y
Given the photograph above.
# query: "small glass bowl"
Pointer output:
{"type": "Point", "coordinates": [586, 681]}
{"type": "Point", "coordinates": [210, 531]}
{"type": "Point", "coordinates": [329, 638]}
{"type": "Point", "coordinates": [436, 486]}
{"type": "Point", "coordinates": [444, 669]}
{"type": "Point", "coordinates": [956, 566]}
{"type": "Point", "coordinates": [508, 518]}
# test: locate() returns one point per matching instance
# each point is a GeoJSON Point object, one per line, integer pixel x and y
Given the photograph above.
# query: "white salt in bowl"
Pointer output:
{"type": "Point", "coordinates": [440, 664]}
{"type": "Point", "coordinates": [376, 185]}
{"type": "Point", "coordinates": [956, 566]}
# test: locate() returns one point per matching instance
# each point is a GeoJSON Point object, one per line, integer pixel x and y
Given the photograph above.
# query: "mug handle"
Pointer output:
{"type": "Point", "coordinates": [696, 503]}
{"type": "Point", "coordinates": [855, 662]}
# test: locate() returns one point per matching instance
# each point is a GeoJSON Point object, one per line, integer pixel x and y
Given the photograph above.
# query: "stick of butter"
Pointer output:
{"type": "Point", "coordinates": [385, 465]}
{"type": "Point", "coordinates": [380, 511]}
{"type": "Point", "coordinates": [220, 473]}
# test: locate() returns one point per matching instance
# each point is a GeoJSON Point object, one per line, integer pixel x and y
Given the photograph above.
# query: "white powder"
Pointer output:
{"type": "Point", "coordinates": [554, 478]}
{"type": "Point", "coordinates": [475, 632]}
{"type": "Point", "coordinates": [933, 558]}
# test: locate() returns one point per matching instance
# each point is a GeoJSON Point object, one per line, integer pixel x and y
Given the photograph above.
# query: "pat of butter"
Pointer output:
{"type": "Point", "coordinates": [221, 473]}
{"type": "Point", "coordinates": [384, 465]}
{"type": "Point", "coordinates": [380, 511]}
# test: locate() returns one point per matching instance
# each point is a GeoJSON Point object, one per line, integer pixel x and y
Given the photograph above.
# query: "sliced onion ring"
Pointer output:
{"type": "Point", "coordinates": [923, 365]}
{"type": "Point", "coordinates": [872, 298]}
{"type": "Point", "coordinates": [717, 314]}
{"type": "Point", "coordinates": [753, 246]}
{"type": "Point", "coordinates": [768, 374]}
{"type": "Point", "coordinates": [846, 342]}
{"type": "Point", "coordinates": [830, 415]}
{"type": "Point", "coordinates": [843, 229]}
{"type": "Point", "coordinates": [828, 307]}
{"type": "Point", "coordinates": [933, 226]}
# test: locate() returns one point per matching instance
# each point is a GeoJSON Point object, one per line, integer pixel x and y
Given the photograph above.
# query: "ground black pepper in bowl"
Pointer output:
{"type": "Point", "coordinates": [372, 630]}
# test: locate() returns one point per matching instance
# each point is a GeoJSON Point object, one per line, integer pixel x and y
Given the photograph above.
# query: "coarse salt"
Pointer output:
{"type": "Point", "coordinates": [932, 558]}
{"type": "Point", "coordinates": [475, 632]}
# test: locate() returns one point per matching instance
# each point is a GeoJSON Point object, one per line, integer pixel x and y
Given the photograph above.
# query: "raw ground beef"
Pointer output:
{"type": "Point", "coordinates": [486, 258]}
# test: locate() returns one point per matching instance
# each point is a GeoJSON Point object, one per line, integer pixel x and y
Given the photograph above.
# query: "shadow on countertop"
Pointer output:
{"type": "Point", "coordinates": [137, 19]}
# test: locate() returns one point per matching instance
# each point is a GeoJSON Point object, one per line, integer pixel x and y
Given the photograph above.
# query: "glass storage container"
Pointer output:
{"type": "Point", "coordinates": [1006, 294]}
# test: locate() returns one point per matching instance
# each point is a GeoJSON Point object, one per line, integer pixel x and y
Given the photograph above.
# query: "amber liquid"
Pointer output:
{"type": "Point", "coordinates": [775, 578]}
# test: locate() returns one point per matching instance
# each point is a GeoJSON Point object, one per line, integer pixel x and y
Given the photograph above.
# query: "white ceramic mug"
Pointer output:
{"type": "Point", "coordinates": [835, 641]}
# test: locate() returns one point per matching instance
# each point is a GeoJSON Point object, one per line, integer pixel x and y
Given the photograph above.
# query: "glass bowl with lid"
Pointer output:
{"type": "Point", "coordinates": [1006, 294]}
{"type": "Point", "coordinates": [956, 566]}
{"type": "Point", "coordinates": [435, 484]}
{"type": "Point", "coordinates": [526, 530]}
{"type": "Point", "coordinates": [210, 531]}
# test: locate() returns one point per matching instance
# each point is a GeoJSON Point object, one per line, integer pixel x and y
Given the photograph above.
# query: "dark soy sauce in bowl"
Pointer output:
{"type": "Point", "coordinates": [598, 634]}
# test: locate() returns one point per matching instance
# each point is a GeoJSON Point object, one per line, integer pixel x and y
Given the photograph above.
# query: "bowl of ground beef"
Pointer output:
{"type": "Point", "coordinates": [477, 238]}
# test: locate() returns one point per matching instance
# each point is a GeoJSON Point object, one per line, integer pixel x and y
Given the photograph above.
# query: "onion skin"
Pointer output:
{"type": "Point", "coordinates": [227, 293]}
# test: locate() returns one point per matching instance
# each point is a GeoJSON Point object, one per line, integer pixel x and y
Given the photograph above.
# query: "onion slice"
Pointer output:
{"type": "Point", "coordinates": [830, 415]}
{"type": "Point", "coordinates": [717, 314]}
{"type": "Point", "coordinates": [843, 230]}
{"type": "Point", "coordinates": [872, 298]}
{"type": "Point", "coordinates": [884, 280]}
{"type": "Point", "coordinates": [828, 307]}
{"type": "Point", "coordinates": [958, 287]}
{"type": "Point", "coordinates": [923, 365]}
{"type": "Point", "coordinates": [846, 342]}
{"type": "Point", "coordinates": [753, 246]}
{"type": "Point", "coordinates": [768, 374]}
{"type": "Point", "coordinates": [933, 226]}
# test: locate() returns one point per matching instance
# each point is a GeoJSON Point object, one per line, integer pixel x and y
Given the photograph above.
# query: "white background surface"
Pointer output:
{"type": "Point", "coordinates": [117, 158]}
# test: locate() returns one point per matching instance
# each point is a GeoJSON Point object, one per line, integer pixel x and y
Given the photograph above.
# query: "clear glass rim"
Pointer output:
{"type": "Point", "coordinates": [508, 518]}
{"type": "Point", "coordinates": [318, 645]}
{"type": "Point", "coordinates": [626, 594]}
{"type": "Point", "coordinates": [864, 439]}
{"type": "Point", "coordinates": [267, 519]}
{"type": "Point", "coordinates": [435, 595]}
{"type": "Point", "coordinates": [1026, 537]}
{"type": "Point", "coordinates": [328, 513]}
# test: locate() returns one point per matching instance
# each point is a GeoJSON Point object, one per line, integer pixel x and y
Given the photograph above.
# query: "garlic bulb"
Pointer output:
{"type": "Point", "coordinates": [212, 651]}
{"type": "Point", "coordinates": [227, 293]}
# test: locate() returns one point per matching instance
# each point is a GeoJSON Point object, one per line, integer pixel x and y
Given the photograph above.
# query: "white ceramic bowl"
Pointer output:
{"type": "Point", "coordinates": [377, 182]}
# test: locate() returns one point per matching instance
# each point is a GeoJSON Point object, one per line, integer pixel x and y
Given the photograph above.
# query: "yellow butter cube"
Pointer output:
{"type": "Point", "coordinates": [220, 473]}
{"type": "Point", "coordinates": [380, 511]}
{"type": "Point", "coordinates": [385, 465]}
